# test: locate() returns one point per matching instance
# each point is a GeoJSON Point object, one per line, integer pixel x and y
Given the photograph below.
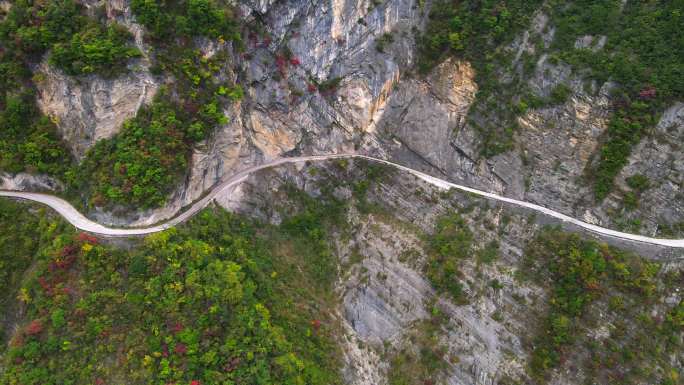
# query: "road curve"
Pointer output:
{"type": "Point", "coordinates": [78, 220]}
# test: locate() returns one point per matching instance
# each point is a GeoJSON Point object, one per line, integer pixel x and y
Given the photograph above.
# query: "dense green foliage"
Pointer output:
{"type": "Point", "coordinates": [79, 45]}
{"type": "Point", "coordinates": [448, 246]}
{"type": "Point", "coordinates": [29, 141]}
{"type": "Point", "coordinates": [583, 272]}
{"type": "Point", "coordinates": [473, 30]}
{"type": "Point", "coordinates": [22, 234]}
{"type": "Point", "coordinates": [638, 182]}
{"type": "Point", "coordinates": [95, 49]}
{"type": "Point", "coordinates": [141, 165]}
{"type": "Point", "coordinates": [220, 300]}
{"type": "Point", "coordinates": [166, 19]}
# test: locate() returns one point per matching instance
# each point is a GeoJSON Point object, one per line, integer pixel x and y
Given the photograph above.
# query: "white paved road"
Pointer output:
{"type": "Point", "coordinates": [77, 219]}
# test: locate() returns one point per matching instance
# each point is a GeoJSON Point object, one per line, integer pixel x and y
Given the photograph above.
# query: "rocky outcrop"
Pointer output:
{"type": "Point", "coordinates": [87, 109]}
{"type": "Point", "coordinates": [660, 158]}
{"type": "Point", "coordinates": [345, 85]}
{"type": "Point", "coordinates": [92, 108]}
{"type": "Point", "coordinates": [284, 111]}
{"type": "Point", "coordinates": [28, 182]}
{"type": "Point", "coordinates": [558, 144]}
{"type": "Point", "coordinates": [383, 294]}
{"type": "Point", "coordinates": [5, 6]}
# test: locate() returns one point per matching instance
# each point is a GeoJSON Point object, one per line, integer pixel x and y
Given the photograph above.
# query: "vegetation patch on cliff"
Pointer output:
{"type": "Point", "coordinates": [140, 167]}
{"type": "Point", "coordinates": [595, 286]}
{"type": "Point", "coordinates": [78, 45]}
{"type": "Point", "coordinates": [643, 55]}
{"type": "Point", "coordinates": [448, 247]}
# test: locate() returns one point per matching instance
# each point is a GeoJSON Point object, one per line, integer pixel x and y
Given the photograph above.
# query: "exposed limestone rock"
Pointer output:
{"type": "Point", "coordinates": [355, 98]}
{"type": "Point", "coordinates": [383, 294]}
{"type": "Point", "coordinates": [591, 42]}
{"type": "Point", "coordinates": [5, 6]}
{"type": "Point", "coordinates": [425, 122]}
{"type": "Point", "coordinates": [87, 109]}
{"type": "Point", "coordinates": [443, 99]}
{"type": "Point", "coordinates": [271, 137]}
{"type": "Point", "coordinates": [558, 143]}
{"type": "Point", "coordinates": [28, 182]}
{"type": "Point", "coordinates": [379, 312]}
{"type": "Point", "coordinates": [217, 157]}
{"type": "Point", "coordinates": [92, 108]}
{"type": "Point", "coordinates": [364, 366]}
{"type": "Point", "coordinates": [376, 109]}
{"type": "Point", "coordinates": [660, 158]}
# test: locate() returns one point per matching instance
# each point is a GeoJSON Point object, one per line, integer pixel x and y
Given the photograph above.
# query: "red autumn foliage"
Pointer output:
{"type": "Point", "coordinates": [195, 382]}
{"type": "Point", "coordinates": [34, 328]}
{"type": "Point", "coordinates": [79, 313]}
{"type": "Point", "coordinates": [593, 286]}
{"type": "Point", "coordinates": [232, 364]}
{"type": "Point", "coordinates": [312, 87]}
{"type": "Point", "coordinates": [648, 92]}
{"type": "Point", "coordinates": [68, 250]}
{"type": "Point", "coordinates": [85, 237]}
{"type": "Point", "coordinates": [281, 63]}
{"type": "Point", "coordinates": [294, 61]}
{"type": "Point", "coordinates": [63, 264]}
{"type": "Point", "coordinates": [47, 288]}
{"type": "Point", "coordinates": [17, 341]}
{"type": "Point", "coordinates": [177, 327]}
{"type": "Point", "coordinates": [99, 381]}
{"type": "Point", "coordinates": [180, 349]}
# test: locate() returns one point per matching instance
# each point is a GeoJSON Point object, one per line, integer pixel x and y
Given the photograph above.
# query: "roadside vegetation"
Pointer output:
{"type": "Point", "coordinates": [591, 286]}
{"type": "Point", "coordinates": [24, 231]}
{"type": "Point", "coordinates": [210, 302]}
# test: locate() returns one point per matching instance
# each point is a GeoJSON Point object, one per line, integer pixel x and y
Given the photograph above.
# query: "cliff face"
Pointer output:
{"type": "Point", "coordinates": [350, 87]}
{"type": "Point", "coordinates": [386, 301]}
{"type": "Point", "coordinates": [92, 108]}
{"type": "Point", "coordinates": [368, 100]}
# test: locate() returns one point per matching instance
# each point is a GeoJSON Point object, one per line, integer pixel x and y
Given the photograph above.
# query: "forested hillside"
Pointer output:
{"type": "Point", "coordinates": [336, 270]}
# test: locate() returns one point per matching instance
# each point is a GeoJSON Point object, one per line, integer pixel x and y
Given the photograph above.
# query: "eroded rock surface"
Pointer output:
{"type": "Point", "coordinates": [384, 296]}
{"type": "Point", "coordinates": [349, 86]}
{"type": "Point", "coordinates": [87, 109]}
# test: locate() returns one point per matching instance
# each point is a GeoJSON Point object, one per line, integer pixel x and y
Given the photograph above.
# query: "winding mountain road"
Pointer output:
{"type": "Point", "coordinates": [78, 220]}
